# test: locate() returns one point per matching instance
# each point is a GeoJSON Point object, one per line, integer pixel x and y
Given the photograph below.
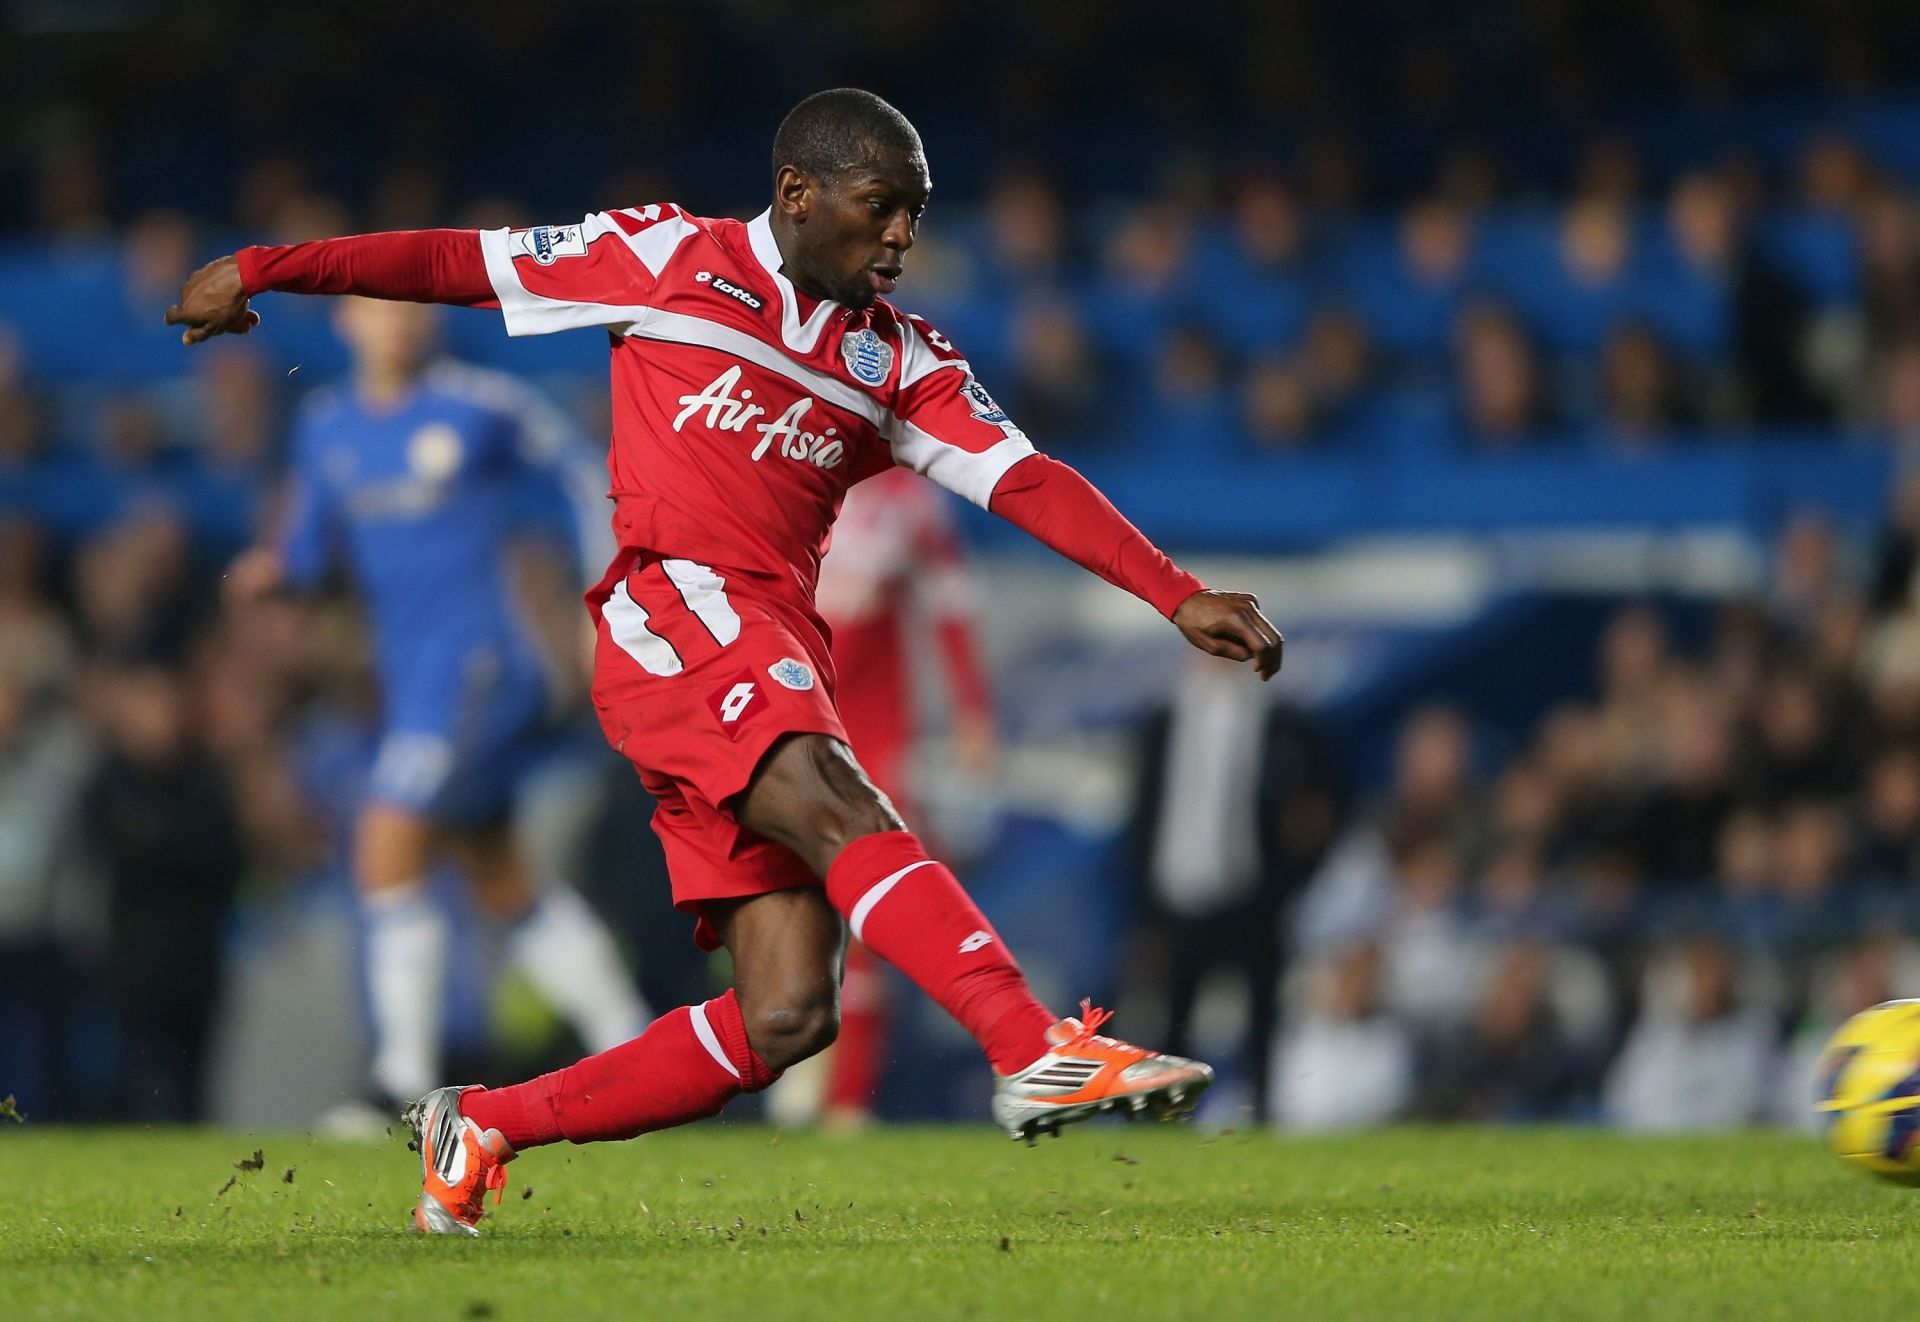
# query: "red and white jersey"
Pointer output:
{"type": "Point", "coordinates": [742, 409]}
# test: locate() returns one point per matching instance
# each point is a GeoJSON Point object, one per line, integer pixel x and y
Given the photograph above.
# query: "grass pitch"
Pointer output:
{"type": "Point", "coordinates": [1107, 1222]}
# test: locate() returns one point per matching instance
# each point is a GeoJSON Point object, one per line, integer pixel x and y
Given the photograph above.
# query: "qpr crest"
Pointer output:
{"type": "Point", "coordinates": [868, 356]}
{"type": "Point", "coordinates": [791, 674]}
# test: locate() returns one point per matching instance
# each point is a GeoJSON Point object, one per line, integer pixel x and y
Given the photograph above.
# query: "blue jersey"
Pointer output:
{"type": "Point", "coordinates": [421, 502]}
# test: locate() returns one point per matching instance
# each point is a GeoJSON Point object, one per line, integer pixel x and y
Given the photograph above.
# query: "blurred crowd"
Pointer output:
{"type": "Point", "coordinates": [1231, 315]}
{"type": "Point", "coordinates": [1657, 905]}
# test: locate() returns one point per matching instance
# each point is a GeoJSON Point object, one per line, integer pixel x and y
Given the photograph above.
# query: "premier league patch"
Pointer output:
{"type": "Point", "coordinates": [868, 356]}
{"type": "Point", "coordinates": [981, 404]}
{"type": "Point", "coordinates": [791, 674]}
{"type": "Point", "coordinates": [547, 243]}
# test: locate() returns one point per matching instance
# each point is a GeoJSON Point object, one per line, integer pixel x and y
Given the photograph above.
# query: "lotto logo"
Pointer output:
{"type": "Point", "coordinates": [974, 942]}
{"type": "Point", "coordinates": [737, 701]}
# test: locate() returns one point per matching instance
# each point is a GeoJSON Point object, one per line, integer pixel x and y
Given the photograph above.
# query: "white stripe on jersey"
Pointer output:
{"type": "Point", "coordinates": [966, 474]}
{"type": "Point", "coordinates": [627, 626]}
{"type": "Point", "coordinates": [705, 593]}
{"type": "Point", "coordinates": [527, 313]}
{"type": "Point", "coordinates": [917, 360]}
{"type": "Point", "coordinates": [680, 328]}
{"type": "Point", "coordinates": [656, 244]}
{"type": "Point", "coordinates": [798, 336]}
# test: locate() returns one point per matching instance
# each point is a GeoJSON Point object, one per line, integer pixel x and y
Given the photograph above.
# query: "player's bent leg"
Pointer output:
{"type": "Point", "coordinates": [787, 947]}
{"type": "Point", "coordinates": [810, 795]}
{"type": "Point", "coordinates": [407, 939]}
{"type": "Point", "coordinates": [555, 939]}
{"type": "Point", "coordinates": [854, 1077]}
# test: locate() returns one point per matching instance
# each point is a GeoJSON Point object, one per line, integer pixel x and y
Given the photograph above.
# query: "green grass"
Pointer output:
{"type": "Point", "coordinates": [1109, 1222]}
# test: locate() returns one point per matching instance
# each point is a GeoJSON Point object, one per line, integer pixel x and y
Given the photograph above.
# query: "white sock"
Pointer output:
{"type": "Point", "coordinates": [569, 956]}
{"type": "Point", "coordinates": [406, 978]}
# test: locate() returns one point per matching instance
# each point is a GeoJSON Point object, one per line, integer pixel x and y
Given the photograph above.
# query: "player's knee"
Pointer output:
{"type": "Point", "coordinates": [786, 1029]}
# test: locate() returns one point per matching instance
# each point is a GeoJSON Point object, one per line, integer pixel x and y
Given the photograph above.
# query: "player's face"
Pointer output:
{"type": "Point", "coordinates": [858, 227]}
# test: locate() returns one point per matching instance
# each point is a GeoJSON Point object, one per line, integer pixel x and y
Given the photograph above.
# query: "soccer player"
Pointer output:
{"type": "Point", "coordinates": [758, 372]}
{"type": "Point", "coordinates": [419, 475]}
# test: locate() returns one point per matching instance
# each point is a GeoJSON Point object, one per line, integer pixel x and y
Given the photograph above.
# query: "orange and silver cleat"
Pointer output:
{"type": "Point", "coordinates": [1083, 1074]}
{"type": "Point", "coordinates": [459, 1164]}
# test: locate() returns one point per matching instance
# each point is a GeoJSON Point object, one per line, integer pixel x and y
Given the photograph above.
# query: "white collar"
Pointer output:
{"type": "Point", "coordinates": [799, 336]}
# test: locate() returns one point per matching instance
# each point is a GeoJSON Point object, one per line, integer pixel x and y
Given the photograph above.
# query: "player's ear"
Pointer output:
{"type": "Point", "coordinates": [793, 192]}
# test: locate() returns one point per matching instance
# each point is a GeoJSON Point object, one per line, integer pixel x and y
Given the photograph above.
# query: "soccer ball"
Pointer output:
{"type": "Point", "coordinates": [1869, 1091]}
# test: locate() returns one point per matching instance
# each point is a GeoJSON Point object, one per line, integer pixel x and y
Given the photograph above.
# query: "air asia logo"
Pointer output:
{"type": "Point", "coordinates": [547, 243]}
{"type": "Point", "coordinates": [868, 356]}
{"type": "Point", "coordinates": [981, 404]}
{"type": "Point", "coordinates": [730, 289]}
{"type": "Point", "coordinates": [726, 411]}
{"type": "Point", "coordinates": [737, 702]}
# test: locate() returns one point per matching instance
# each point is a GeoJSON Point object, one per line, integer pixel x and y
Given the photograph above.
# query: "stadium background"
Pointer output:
{"type": "Point", "coordinates": [1551, 369]}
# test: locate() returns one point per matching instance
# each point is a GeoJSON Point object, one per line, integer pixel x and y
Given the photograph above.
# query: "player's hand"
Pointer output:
{"type": "Point", "coordinates": [1230, 624]}
{"type": "Point", "coordinates": [252, 577]}
{"type": "Point", "coordinates": [212, 302]}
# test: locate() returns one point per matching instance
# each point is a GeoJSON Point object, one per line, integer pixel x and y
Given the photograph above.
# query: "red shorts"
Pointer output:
{"type": "Point", "coordinates": [696, 674]}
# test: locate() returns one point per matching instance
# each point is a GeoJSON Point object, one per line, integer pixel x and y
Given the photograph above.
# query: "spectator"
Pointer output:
{"type": "Point", "coordinates": [1887, 837]}
{"type": "Point", "coordinates": [1641, 400]}
{"type": "Point", "coordinates": [36, 647]}
{"type": "Point", "coordinates": [1345, 1063]}
{"type": "Point", "coordinates": [1502, 403]}
{"type": "Point", "coordinates": [1227, 830]}
{"type": "Point", "coordinates": [1515, 1061]}
{"type": "Point", "coordinates": [1435, 971]}
{"type": "Point", "coordinates": [1189, 412]}
{"type": "Point", "coordinates": [1338, 358]}
{"type": "Point", "coordinates": [1276, 403]}
{"type": "Point", "coordinates": [1057, 390]}
{"type": "Point", "coordinates": [1265, 291]}
{"type": "Point", "coordinates": [45, 759]}
{"type": "Point", "coordinates": [161, 816]}
{"type": "Point", "coordinates": [1680, 819]}
{"type": "Point", "coordinates": [1434, 790]}
{"type": "Point", "coordinates": [1026, 230]}
{"type": "Point", "coordinates": [1143, 293]}
{"type": "Point", "coordinates": [1700, 1056]}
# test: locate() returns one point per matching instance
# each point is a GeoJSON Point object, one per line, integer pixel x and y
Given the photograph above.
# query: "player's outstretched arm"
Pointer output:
{"type": "Point", "coordinates": [1061, 508]}
{"type": "Point", "coordinates": [417, 266]}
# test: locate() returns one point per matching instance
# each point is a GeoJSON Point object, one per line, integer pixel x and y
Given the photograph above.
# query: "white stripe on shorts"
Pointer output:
{"type": "Point", "coordinates": [705, 593]}
{"type": "Point", "coordinates": [627, 626]}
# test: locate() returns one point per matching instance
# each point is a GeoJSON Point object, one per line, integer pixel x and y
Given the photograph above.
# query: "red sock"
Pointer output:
{"type": "Point", "coordinates": [688, 1064]}
{"type": "Point", "coordinates": [853, 1077]}
{"type": "Point", "coordinates": [912, 913]}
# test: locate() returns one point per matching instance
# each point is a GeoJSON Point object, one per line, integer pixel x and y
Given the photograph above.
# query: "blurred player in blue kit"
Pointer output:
{"type": "Point", "coordinates": [419, 478]}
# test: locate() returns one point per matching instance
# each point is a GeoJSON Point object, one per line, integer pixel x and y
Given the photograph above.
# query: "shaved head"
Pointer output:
{"type": "Point", "coordinates": [832, 133]}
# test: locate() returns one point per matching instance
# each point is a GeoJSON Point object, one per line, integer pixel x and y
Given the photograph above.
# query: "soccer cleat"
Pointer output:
{"type": "Point", "coordinates": [459, 1163]}
{"type": "Point", "coordinates": [1083, 1074]}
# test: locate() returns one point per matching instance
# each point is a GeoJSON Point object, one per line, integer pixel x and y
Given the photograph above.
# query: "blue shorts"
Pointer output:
{"type": "Point", "coordinates": [457, 752]}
